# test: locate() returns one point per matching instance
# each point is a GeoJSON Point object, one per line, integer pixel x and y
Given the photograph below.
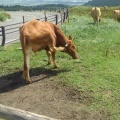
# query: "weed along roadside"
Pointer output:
{"type": "Point", "coordinates": [86, 88]}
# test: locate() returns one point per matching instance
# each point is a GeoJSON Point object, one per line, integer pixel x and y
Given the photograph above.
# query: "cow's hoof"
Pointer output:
{"type": "Point", "coordinates": [49, 63]}
{"type": "Point", "coordinates": [56, 66]}
{"type": "Point", "coordinates": [28, 81]}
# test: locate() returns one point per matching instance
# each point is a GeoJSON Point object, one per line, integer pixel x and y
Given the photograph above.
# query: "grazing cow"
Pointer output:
{"type": "Point", "coordinates": [36, 35]}
{"type": "Point", "coordinates": [96, 14]}
{"type": "Point", "coordinates": [116, 15]}
{"type": "Point", "coordinates": [105, 8]}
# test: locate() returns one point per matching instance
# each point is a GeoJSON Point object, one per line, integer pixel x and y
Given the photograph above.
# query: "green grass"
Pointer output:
{"type": "Point", "coordinates": [96, 73]}
{"type": "Point", "coordinates": [97, 69]}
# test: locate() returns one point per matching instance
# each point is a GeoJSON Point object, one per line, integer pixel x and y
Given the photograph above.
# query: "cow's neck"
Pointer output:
{"type": "Point", "coordinates": [61, 39]}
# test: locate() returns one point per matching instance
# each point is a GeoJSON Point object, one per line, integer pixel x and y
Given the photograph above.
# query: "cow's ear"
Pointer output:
{"type": "Point", "coordinates": [70, 38]}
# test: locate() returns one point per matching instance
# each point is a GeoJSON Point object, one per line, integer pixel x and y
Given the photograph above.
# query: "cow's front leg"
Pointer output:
{"type": "Point", "coordinates": [25, 74]}
{"type": "Point", "coordinates": [49, 55]}
{"type": "Point", "coordinates": [94, 21]}
{"type": "Point", "coordinates": [59, 48]}
{"type": "Point", "coordinates": [53, 50]}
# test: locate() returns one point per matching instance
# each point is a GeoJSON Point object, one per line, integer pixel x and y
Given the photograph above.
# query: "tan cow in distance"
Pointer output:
{"type": "Point", "coordinates": [105, 8]}
{"type": "Point", "coordinates": [116, 15]}
{"type": "Point", "coordinates": [36, 35]}
{"type": "Point", "coordinates": [96, 15]}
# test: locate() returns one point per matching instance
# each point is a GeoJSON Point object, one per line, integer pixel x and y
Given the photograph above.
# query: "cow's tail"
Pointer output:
{"type": "Point", "coordinates": [22, 40]}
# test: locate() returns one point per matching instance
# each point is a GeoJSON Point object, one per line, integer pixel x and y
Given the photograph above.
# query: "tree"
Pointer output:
{"type": "Point", "coordinates": [103, 3]}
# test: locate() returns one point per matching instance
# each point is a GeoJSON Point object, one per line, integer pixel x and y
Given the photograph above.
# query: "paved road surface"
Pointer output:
{"type": "Point", "coordinates": [17, 17]}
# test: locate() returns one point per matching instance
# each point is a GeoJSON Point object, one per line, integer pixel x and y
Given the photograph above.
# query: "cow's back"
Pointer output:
{"type": "Point", "coordinates": [95, 12]}
{"type": "Point", "coordinates": [37, 34]}
{"type": "Point", "coordinates": [34, 29]}
{"type": "Point", "coordinates": [116, 14]}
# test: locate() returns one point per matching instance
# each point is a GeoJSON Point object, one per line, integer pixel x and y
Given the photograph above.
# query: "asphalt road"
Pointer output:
{"type": "Point", "coordinates": [17, 17]}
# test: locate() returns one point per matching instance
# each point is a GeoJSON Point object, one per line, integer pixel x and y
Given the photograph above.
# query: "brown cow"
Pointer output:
{"type": "Point", "coordinates": [36, 35]}
{"type": "Point", "coordinates": [116, 15]}
{"type": "Point", "coordinates": [96, 14]}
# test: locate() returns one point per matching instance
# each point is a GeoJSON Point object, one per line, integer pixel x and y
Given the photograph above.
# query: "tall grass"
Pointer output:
{"type": "Point", "coordinates": [95, 74]}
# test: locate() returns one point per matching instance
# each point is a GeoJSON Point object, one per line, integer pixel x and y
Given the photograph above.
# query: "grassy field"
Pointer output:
{"type": "Point", "coordinates": [96, 74]}
{"type": "Point", "coordinates": [85, 10]}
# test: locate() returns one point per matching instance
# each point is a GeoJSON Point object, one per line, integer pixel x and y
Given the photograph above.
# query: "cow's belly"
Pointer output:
{"type": "Point", "coordinates": [36, 48]}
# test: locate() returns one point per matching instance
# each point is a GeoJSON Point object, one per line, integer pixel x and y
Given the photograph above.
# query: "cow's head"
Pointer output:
{"type": "Point", "coordinates": [70, 48]}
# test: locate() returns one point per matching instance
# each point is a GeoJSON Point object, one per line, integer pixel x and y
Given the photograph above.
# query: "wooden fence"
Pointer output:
{"type": "Point", "coordinates": [13, 29]}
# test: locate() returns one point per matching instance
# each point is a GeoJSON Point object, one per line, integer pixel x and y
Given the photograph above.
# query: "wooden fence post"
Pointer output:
{"type": "Point", "coordinates": [61, 18]}
{"type": "Point", "coordinates": [64, 16]}
{"type": "Point", "coordinates": [67, 15]}
{"type": "Point", "coordinates": [3, 35]}
{"type": "Point", "coordinates": [45, 16]}
{"type": "Point", "coordinates": [23, 19]}
{"type": "Point", "coordinates": [66, 11]}
{"type": "Point", "coordinates": [56, 18]}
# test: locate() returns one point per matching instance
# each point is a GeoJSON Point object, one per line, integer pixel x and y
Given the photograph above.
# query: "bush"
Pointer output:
{"type": "Point", "coordinates": [4, 16]}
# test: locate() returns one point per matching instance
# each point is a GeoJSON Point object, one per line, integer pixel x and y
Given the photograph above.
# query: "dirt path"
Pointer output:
{"type": "Point", "coordinates": [45, 96]}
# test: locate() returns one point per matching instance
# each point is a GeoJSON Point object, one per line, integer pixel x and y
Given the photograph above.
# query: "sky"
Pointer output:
{"type": "Point", "coordinates": [43, 0]}
{"type": "Point", "coordinates": [11, 2]}
{"type": "Point", "coordinates": [46, 0]}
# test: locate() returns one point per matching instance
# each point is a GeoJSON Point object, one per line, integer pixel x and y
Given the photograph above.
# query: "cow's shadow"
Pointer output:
{"type": "Point", "coordinates": [13, 81]}
{"type": "Point", "coordinates": [90, 23]}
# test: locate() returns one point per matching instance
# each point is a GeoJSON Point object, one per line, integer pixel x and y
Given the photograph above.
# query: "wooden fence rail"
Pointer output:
{"type": "Point", "coordinates": [10, 113]}
{"type": "Point", "coordinates": [14, 28]}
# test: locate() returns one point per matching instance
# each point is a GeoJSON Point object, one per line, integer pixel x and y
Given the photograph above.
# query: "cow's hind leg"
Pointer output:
{"type": "Point", "coordinates": [54, 61]}
{"type": "Point", "coordinates": [26, 65]}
